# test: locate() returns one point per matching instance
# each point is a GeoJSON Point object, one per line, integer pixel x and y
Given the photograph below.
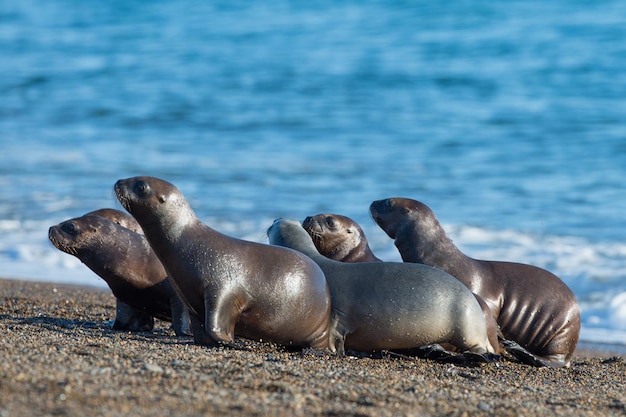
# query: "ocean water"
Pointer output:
{"type": "Point", "coordinates": [507, 118]}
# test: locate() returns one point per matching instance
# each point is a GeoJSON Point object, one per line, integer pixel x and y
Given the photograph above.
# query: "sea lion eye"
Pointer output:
{"type": "Point", "coordinates": [141, 188]}
{"type": "Point", "coordinates": [330, 222]}
{"type": "Point", "coordinates": [69, 228]}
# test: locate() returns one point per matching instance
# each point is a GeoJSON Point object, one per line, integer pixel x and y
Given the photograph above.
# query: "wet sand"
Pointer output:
{"type": "Point", "coordinates": [60, 357]}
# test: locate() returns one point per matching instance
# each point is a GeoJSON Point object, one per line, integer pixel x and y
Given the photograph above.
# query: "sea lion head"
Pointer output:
{"type": "Point", "coordinates": [335, 236]}
{"type": "Point", "coordinates": [290, 234]}
{"type": "Point", "coordinates": [74, 235]}
{"type": "Point", "coordinates": [154, 201]}
{"type": "Point", "coordinates": [395, 214]}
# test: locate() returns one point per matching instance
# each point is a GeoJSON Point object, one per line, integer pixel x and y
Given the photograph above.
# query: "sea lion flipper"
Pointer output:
{"type": "Point", "coordinates": [221, 314]}
{"type": "Point", "coordinates": [180, 318]}
{"type": "Point", "coordinates": [200, 335]}
{"type": "Point", "coordinates": [214, 326]}
{"type": "Point", "coordinates": [131, 319]}
{"type": "Point", "coordinates": [523, 355]}
{"type": "Point", "coordinates": [438, 353]}
{"type": "Point", "coordinates": [337, 336]}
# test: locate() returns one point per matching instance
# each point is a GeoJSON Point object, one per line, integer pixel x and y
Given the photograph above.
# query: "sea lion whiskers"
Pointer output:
{"type": "Point", "coordinates": [60, 245]}
{"type": "Point", "coordinates": [124, 201]}
{"type": "Point", "coordinates": [53, 236]}
{"type": "Point", "coordinates": [317, 238]}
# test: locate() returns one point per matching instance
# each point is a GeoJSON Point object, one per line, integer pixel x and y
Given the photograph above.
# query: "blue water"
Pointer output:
{"type": "Point", "coordinates": [507, 118]}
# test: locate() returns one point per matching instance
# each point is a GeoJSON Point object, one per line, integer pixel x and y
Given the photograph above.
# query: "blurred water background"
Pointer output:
{"type": "Point", "coordinates": [507, 118]}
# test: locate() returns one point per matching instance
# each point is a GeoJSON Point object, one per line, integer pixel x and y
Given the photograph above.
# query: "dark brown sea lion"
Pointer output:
{"type": "Point", "coordinates": [231, 286]}
{"type": "Point", "coordinates": [126, 262]}
{"type": "Point", "coordinates": [532, 306]}
{"type": "Point", "coordinates": [340, 238]}
{"type": "Point", "coordinates": [392, 305]}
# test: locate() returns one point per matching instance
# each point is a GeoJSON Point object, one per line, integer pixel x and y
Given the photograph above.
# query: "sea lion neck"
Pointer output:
{"type": "Point", "coordinates": [424, 243]}
{"type": "Point", "coordinates": [172, 228]}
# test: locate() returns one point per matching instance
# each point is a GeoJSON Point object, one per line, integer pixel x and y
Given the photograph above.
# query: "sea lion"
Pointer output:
{"type": "Point", "coordinates": [231, 286]}
{"type": "Point", "coordinates": [533, 307]}
{"type": "Point", "coordinates": [124, 259]}
{"type": "Point", "coordinates": [340, 238]}
{"type": "Point", "coordinates": [392, 305]}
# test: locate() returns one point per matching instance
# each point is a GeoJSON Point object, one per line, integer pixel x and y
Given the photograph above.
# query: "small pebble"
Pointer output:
{"type": "Point", "coordinates": [153, 368]}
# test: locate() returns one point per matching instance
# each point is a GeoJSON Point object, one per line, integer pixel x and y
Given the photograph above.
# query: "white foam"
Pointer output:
{"type": "Point", "coordinates": [602, 335]}
{"type": "Point", "coordinates": [26, 253]}
{"type": "Point", "coordinates": [617, 313]}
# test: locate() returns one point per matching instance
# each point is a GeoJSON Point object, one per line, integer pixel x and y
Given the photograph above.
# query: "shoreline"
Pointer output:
{"type": "Point", "coordinates": [61, 357]}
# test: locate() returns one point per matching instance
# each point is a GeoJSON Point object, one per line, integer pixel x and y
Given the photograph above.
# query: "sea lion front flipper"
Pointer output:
{"type": "Point", "coordinates": [437, 353]}
{"type": "Point", "coordinates": [337, 336]}
{"type": "Point", "coordinates": [524, 356]}
{"type": "Point", "coordinates": [200, 335]}
{"type": "Point", "coordinates": [131, 319]}
{"type": "Point", "coordinates": [180, 317]}
{"type": "Point", "coordinates": [221, 315]}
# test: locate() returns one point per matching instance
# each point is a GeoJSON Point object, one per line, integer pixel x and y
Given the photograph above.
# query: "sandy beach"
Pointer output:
{"type": "Point", "coordinates": [60, 357]}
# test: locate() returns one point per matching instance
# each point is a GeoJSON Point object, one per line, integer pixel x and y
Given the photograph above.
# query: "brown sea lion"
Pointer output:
{"type": "Point", "coordinates": [231, 286]}
{"type": "Point", "coordinates": [532, 306]}
{"type": "Point", "coordinates": [392, 305]}
{"type": "Point", "coordinates": [340, 238]}
{"type": "Point", "coordinates": [124, 259]}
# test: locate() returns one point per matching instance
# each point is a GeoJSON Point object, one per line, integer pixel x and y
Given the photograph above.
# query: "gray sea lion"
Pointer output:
{"type": "Point", "coordinates": [124, 259]}
{"type": "Point", "coordinates": [392, 305]}
{"type": "Point", "coordinates": [231, 286]}
{"type": "Point", "coordinates": [533, 307]}
{"type": "Point", "coordinates": [340, 238]}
